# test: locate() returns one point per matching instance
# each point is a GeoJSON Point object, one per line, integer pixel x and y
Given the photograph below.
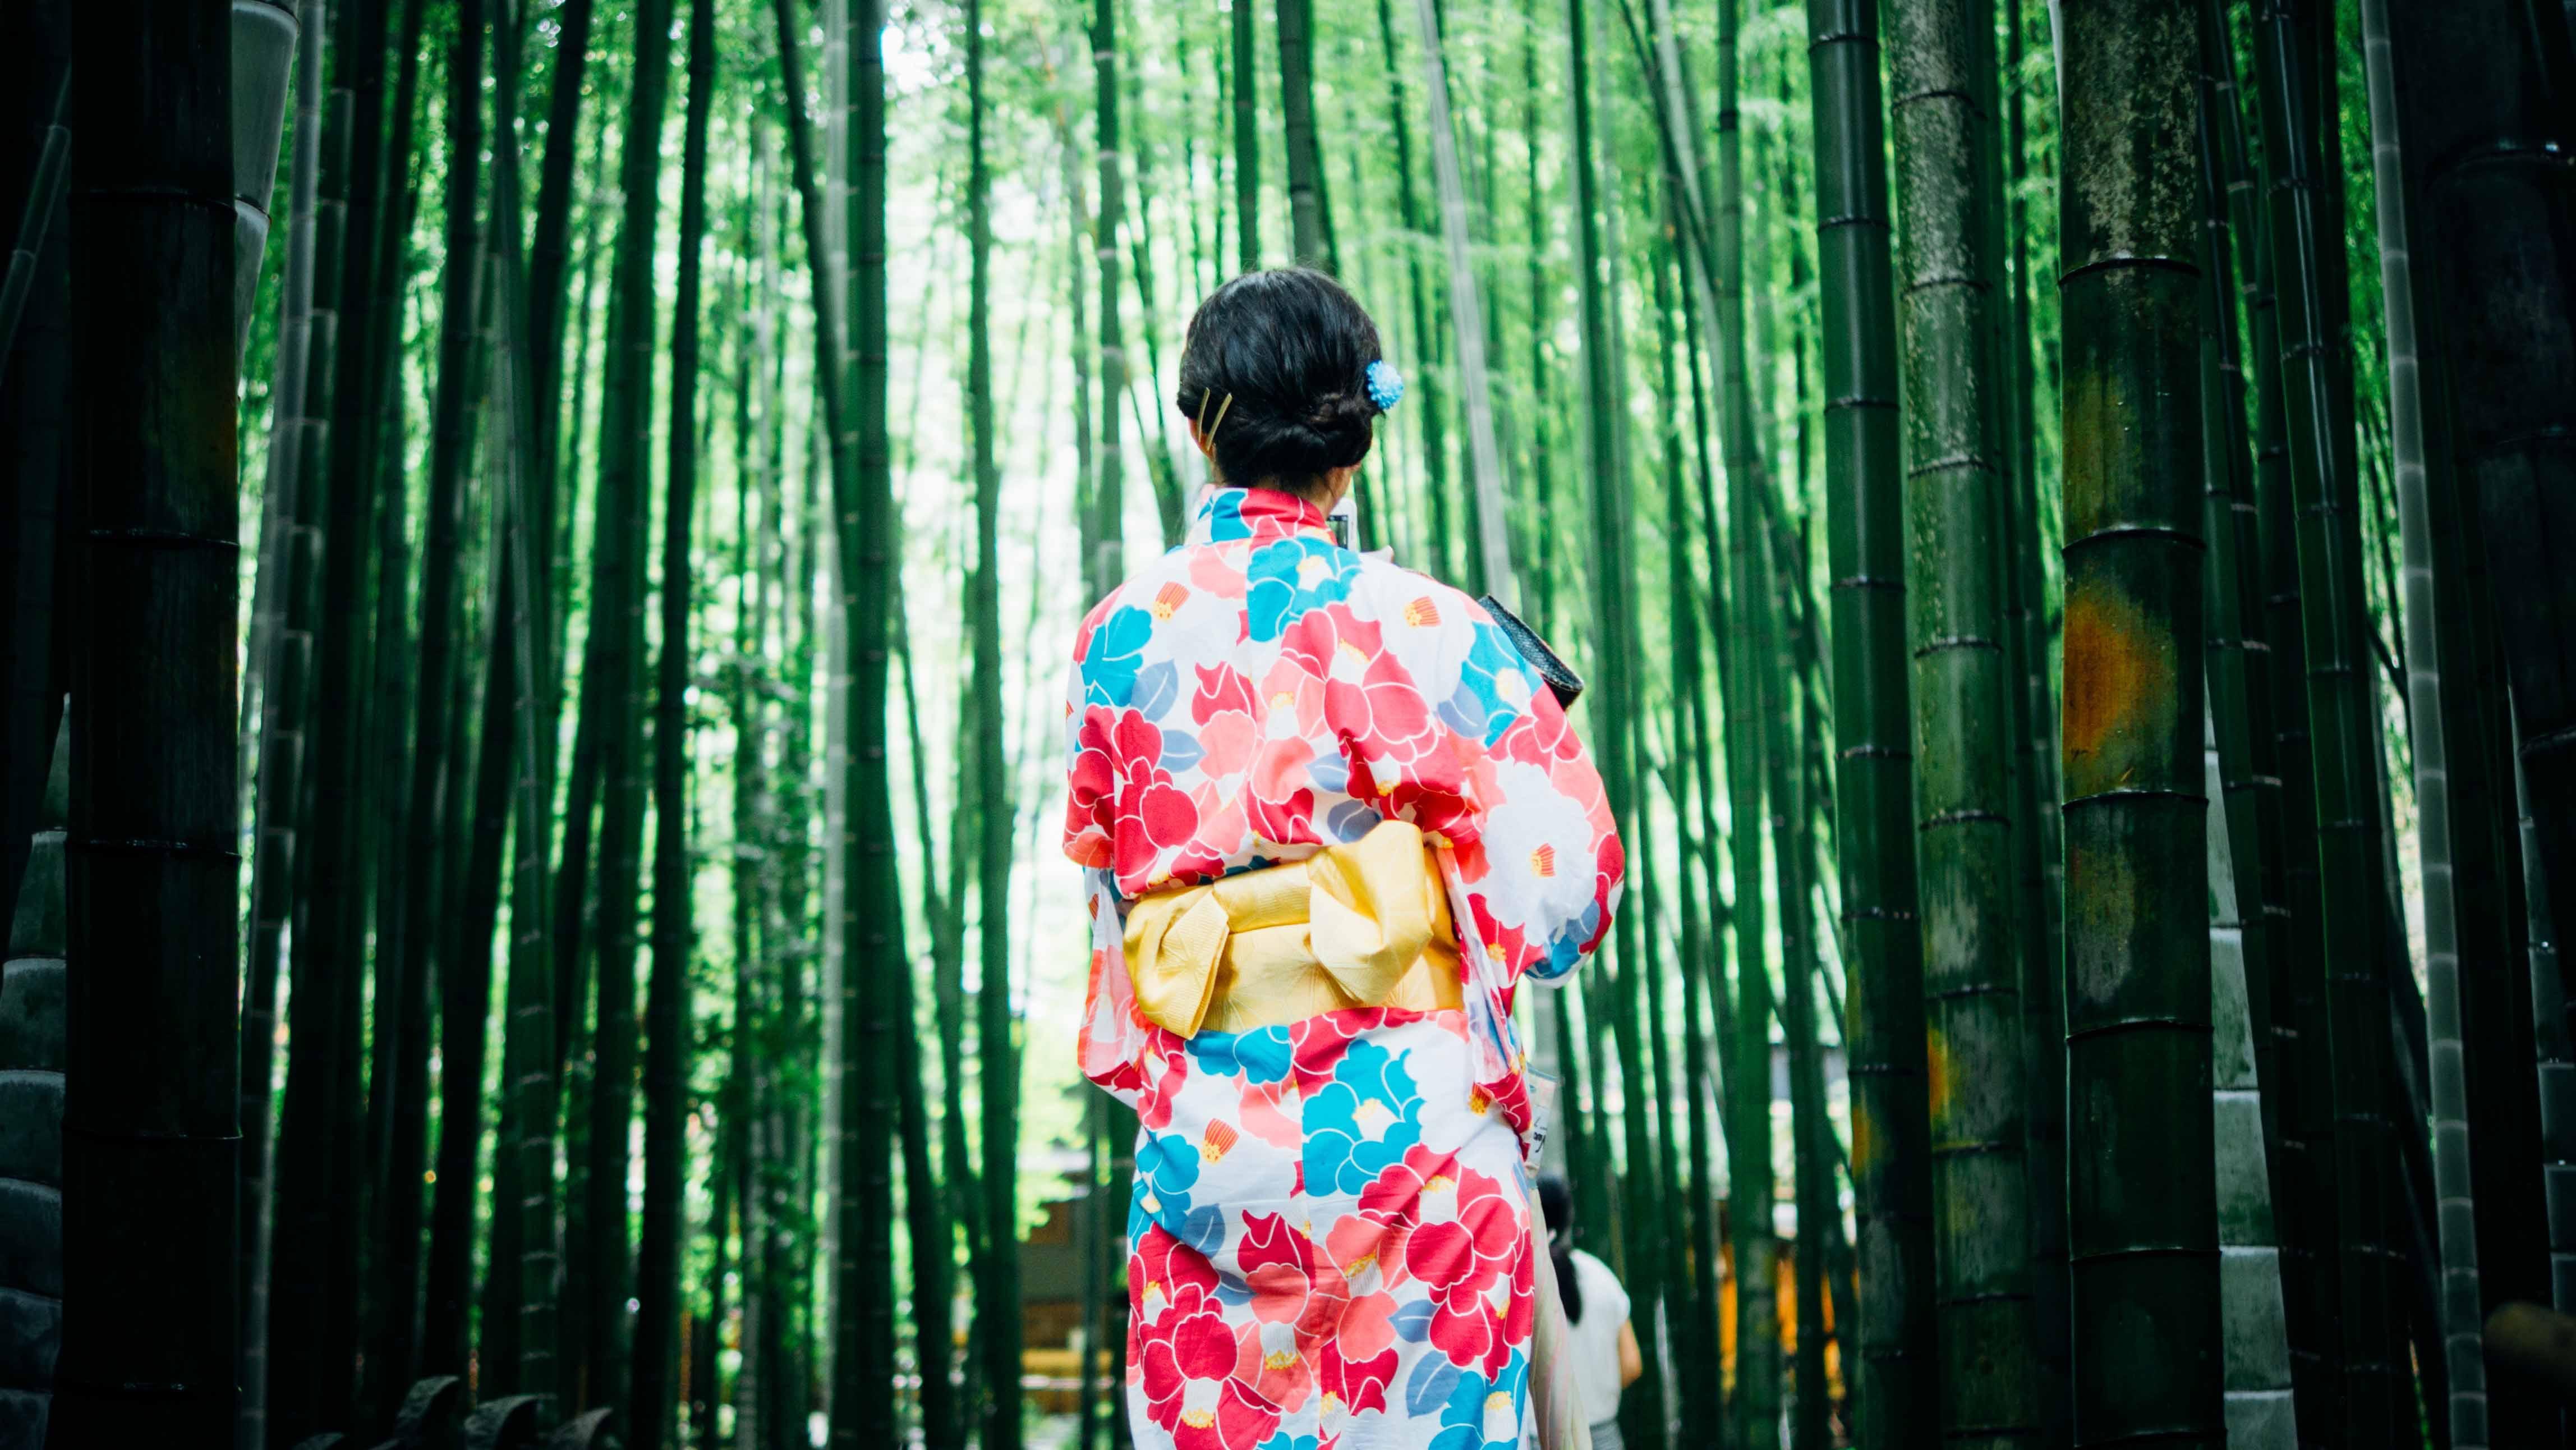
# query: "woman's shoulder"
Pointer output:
{"type": "Point", "coordinates": [1144, 589]}
{"type": "Point", "coordinates": [1600, 1282]}
{"type": "Point", "coordinates": [1414, 596]}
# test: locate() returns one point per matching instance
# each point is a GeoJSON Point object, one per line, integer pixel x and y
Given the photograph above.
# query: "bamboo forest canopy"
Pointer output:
{"type": "Point", "coordinates": [542, 539]}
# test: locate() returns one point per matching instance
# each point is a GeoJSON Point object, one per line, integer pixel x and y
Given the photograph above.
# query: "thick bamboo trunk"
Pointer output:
{"type": "Point", "coordinates": [151, 1058]}
{"type": "Point", "coordinates": [2480, 126]}
{"type": "Point", "coordinates": [1967, 812]}
{"type": "Point", "coordinates": [2142, 1208]}
{"type": "Point", "coordinates": [2478, 999]}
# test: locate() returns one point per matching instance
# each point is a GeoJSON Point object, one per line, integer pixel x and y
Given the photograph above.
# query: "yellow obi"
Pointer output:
{"type": "Point", "coordinates": [1358, 925]}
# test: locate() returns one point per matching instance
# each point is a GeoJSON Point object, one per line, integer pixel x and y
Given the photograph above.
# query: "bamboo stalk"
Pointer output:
{"type": "Point", "coordinates": [151, 1059]}
{"type": "Point", "coordinates": [531, 1068]}
{"type": "Point", "coordinates": [2504, 1117]}
{"type": "Point", "coordinates": [1490, 561]}
{"type": "Point", "coordinates": [1104, 563]}
{"type": "Point", "coordinates": [1968, 816]}
{"type": "Point", "coordinates": [1245, 75]}
{"type": "Point", "coordinates": [2309, 266]}
{"type": "Point", "coordinates": [2143, 1232]}
{"type": "Point", "coordinates": [2040, 851]}
{"type": "Point", "coordinates": [2456, 1221]}
{"type": "Point", "coordinates": [997, 1299]}
{"type": "Point", "coordinates": [1872, 800]}
{"type": "Point", "coordinates": [283, 663]}
{"type": "Point", "coordinates": [1310, 212]}
{"type": "Point", "coordinates": [313, 1301]}
{"type": "Point", "coordinates": [403, 997]}
{"type": "Point", "coordinates": [667, 1048]}
{"type": "Point", "coordinates": [1420, 292]}
{"type": "Point", "coordinates": [1756, 1403]}
{"type": "Point", "coordinates": [866, 531]}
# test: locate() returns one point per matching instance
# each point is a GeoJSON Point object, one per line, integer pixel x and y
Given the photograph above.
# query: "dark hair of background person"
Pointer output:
{"type": "Point", "coordinates": [1293, 349]}
{"type": "Point", "coordinates": [1558, 1203]}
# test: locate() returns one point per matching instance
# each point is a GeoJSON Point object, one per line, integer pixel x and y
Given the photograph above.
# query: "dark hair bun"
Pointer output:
{"type": "Point", "coordinates": [1291, 349]}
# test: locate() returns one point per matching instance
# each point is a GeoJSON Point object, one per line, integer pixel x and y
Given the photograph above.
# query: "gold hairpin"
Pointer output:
{"type": "Point", "coordinates": [1207, 430]}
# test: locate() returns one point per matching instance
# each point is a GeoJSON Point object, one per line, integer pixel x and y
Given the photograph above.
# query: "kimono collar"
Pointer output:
{"type": "Point", "coordinates": [1227, 515]}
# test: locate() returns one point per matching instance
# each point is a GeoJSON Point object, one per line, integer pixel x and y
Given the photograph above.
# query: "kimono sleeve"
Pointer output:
{"type": "Point", "coordinates": [1111, 1039]}
{"type": "Point", "coordinates": [1543, 874]}
{"type": "Point", "coordinates": [1112, 1042]}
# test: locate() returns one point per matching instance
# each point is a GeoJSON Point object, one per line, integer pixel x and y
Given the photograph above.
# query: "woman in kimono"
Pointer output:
{"type": "Point", "coordinates": [1329, 818]}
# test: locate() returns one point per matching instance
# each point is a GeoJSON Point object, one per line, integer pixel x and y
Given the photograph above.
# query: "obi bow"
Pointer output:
{"type": "Point", "coordinates": [1365, 924]}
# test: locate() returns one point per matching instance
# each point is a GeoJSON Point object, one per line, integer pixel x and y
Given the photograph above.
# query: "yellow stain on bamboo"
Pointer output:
{"type": "Point", "coordinates": [1936, 1071]}
{"type": "Point", "coordinates": [2115, 663]}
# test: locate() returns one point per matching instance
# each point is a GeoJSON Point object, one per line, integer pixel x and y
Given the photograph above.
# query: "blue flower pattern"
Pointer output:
{"type": "Point", "coordinates": [1260, 1057]}
{"type": "Point", "coordinates": [1462, 1415]}
{"type": "Point", "coordinates": [1116, 655]}
{"type": "Point", "coordinates": [1341, 1154]}
{"type": "Point", "coordinates": [1223, 514]}
{"type": "Point", "coordinates": [1283, 587]}
{"type": "Point", "coordinates": [1167, 1168]}
{"type": "Point", "coordinates": [1480, 678]}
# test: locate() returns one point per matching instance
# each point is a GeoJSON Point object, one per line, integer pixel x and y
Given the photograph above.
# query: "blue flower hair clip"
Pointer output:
{"type": "Point", "coordinates": [1385, 385]}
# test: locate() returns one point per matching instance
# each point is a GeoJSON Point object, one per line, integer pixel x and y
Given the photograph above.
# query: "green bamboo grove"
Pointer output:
{"type": "Point", "coordinates": [541, 539]}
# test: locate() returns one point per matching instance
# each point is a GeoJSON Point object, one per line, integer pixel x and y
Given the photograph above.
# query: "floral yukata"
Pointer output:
{"type": "Point", "coordinates": [1330, 1226]}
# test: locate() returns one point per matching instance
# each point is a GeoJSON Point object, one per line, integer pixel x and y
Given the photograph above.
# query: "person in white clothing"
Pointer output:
{"type": "Point", "coordinates": [1600, 1341]}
